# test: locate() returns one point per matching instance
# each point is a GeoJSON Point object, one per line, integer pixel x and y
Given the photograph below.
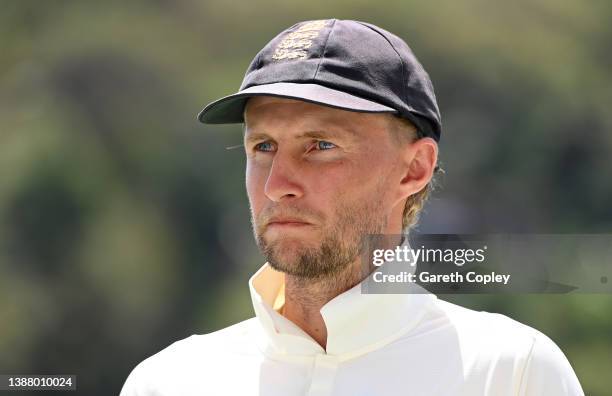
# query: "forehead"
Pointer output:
{"type": "Point", "coordinates": [270, 111]}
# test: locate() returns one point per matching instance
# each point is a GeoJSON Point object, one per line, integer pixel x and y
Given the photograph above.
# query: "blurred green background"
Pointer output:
{"type": "Point", "coordinates": [124, 223]}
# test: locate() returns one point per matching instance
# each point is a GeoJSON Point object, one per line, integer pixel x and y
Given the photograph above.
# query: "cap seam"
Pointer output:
{"type": "Point", "coordinates": [404, 78]}
{"type": "Point", "coordinates": [331, 29]}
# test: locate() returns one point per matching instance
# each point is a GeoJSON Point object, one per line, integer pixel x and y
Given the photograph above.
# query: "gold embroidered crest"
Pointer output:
{"type": "Point", "coordinates": [295, 44]}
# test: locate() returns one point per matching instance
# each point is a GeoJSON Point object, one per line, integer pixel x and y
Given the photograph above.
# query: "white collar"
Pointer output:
{"type": "Point", "coordinates": [356, 323]}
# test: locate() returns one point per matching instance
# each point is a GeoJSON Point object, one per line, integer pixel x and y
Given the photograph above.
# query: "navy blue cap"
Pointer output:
{"type": "Point", "coordinates": [346, 64]}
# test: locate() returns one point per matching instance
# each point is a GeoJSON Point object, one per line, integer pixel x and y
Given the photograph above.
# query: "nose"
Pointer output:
{"type": "Point", "coordinates": [283, 181]}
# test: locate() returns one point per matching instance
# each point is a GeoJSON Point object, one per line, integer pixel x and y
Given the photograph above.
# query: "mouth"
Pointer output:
{"type": "Point", "coordinates": [287, 222]}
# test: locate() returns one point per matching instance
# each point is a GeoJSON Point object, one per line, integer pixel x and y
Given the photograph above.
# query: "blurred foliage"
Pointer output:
{"type": "Point", "coordinates": [124, 223]}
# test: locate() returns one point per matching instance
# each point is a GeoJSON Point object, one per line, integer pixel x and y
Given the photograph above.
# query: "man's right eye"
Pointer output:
{"type": "Point", "coordinates": [264, 146]}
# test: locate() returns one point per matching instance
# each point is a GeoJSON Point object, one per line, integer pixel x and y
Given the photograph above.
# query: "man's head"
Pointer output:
{"type": "Point", "coordinates": [332, 109]}
{"type": "Point", "coordinates": [319, 179]}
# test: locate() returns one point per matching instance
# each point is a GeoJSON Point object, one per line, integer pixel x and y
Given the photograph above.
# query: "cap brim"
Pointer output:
{"type": "Point", "coordinates": [229, 110]}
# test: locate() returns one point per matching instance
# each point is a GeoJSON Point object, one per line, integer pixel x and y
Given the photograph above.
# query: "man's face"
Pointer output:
{"type": "Point", "coordinates": [318, 180]}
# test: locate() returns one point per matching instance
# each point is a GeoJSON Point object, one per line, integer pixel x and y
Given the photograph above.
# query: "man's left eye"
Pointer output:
{"type": "Point", "coordinates": [323, 145]}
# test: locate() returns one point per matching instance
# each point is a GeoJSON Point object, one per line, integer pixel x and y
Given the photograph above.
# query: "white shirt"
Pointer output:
{"type": "Point", "coordinates": [377, 345]}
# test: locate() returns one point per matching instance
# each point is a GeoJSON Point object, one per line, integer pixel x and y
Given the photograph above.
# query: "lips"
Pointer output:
{"type": "Point", "coordinates": [287, 221]}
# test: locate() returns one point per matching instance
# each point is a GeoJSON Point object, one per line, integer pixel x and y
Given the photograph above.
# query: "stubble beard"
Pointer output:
{"type": "Point", "coordinates": [340, 245]}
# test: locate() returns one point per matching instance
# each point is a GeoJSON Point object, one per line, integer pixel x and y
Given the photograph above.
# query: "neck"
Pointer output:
{"type": "Point", "coordinates": [304, 298]}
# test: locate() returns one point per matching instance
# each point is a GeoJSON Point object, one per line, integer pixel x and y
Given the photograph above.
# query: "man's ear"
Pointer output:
{"type": "Point", "coordinates": [419, 160]}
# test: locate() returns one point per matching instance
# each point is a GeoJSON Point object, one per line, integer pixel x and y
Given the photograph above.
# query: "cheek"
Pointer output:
{"type": "Point", "coordinates": [341, 185]}
{"type": "Point", "coordinates": [367, 183]}
{"type": "Point", "coordinates": [351, 177]}
{"type": "Point", "coordinates": [325, 182]}
{"type": "Point", "coordinates": [255, 180]}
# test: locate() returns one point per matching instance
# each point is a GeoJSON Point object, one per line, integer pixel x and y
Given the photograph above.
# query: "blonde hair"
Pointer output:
{"type": "Point", "coordinates": [403, 131]}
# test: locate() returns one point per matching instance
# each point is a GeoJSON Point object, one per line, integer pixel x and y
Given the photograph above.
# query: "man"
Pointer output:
{"type": "Point", "coordinates": [341, 133]}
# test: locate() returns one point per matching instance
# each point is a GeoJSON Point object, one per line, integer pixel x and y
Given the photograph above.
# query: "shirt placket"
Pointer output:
{"type": "Point", "coordinates": [323, 375]}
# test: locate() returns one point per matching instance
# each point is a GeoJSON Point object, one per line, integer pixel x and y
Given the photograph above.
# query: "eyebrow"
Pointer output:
{"type": "Point", "coordinates": [315, 134]}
